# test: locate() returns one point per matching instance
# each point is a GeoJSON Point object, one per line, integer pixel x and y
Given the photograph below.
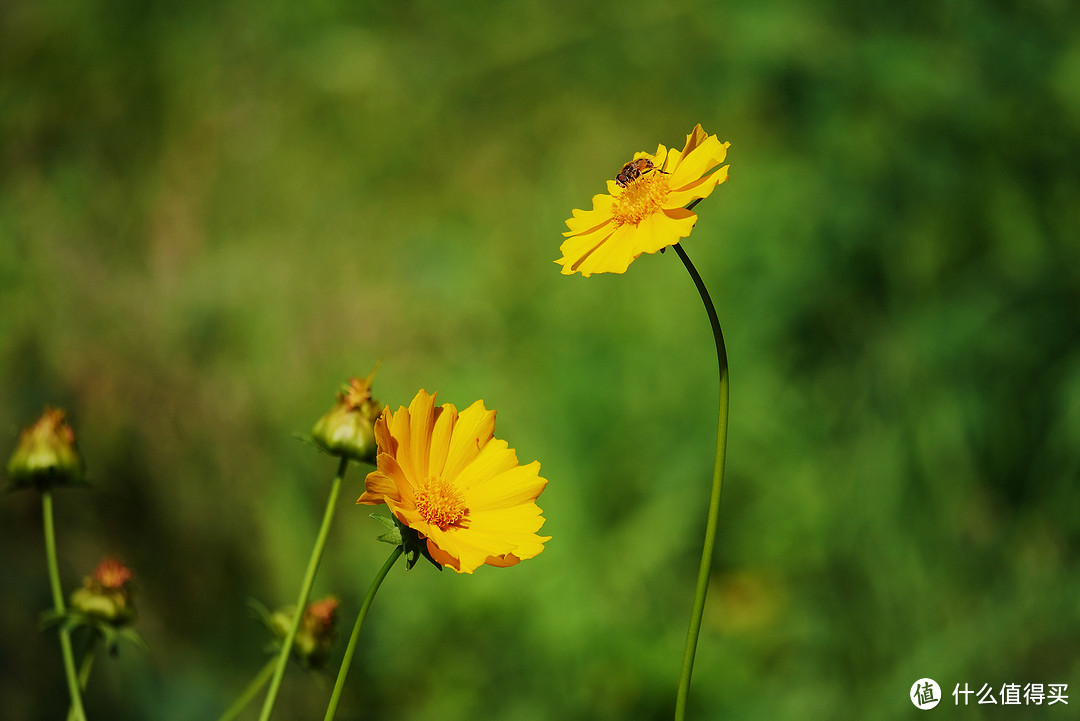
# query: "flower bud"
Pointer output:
{"type": "Point", "coordinates": [46, 454]}
{"type": "Point", "coordinates": [348, 429]}
{"type": "Point", "coordinates": [314, 636]}
{"type": "Point", "coordinates": [106, 596]}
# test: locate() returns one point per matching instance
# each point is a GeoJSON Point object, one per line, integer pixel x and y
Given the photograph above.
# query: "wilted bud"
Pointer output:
{"type": "Point", "coordinates": [46, 455]}
{"type": "Point", "coordinates": [107, 595]}
{"type": "Point", "coordinates": [315, 635]}
{"type": "Point", "coordinates": [348, 429]}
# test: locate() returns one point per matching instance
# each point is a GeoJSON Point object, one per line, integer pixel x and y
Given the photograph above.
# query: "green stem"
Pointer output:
{"type": "Point", "coordinates": [249, 693]}
{"type": "Point", "coordinates": [58, 605]}
{"type": "Point", "coordinates": [305, 591]}
{"type": "Point", "coordinates": [350, 651]}
{"type": "Point", "coordinates": [714, 500]}
{"type": "Point", "coordinates": [85, 665]}
{"type": "Point", "coordinates": [87, 662]}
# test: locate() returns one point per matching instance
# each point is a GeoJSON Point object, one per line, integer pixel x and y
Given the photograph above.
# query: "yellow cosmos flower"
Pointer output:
{"type": "Point", "coordinates": [447, 477]}
{"type": "Point", "coordinates": [644, 209]}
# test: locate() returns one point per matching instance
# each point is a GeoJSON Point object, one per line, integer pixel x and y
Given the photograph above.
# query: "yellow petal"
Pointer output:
{"type": "Point", "coordinates": [421, 421]}
{"type": "Point", "coordinates": [513, 487]}
{"type": "Point", "coordinates": [474, 428]}
{"type": "Point", "coordinates": [383, 439]}
{"type": "Point", "coordinates": [710, 153]}
{"type": "Point", "coordinates": [404, 484]}
{"type": "Point", "coordinates": [587, 221]}
{"type": "Point", "coordinates": [446, 418]}
{"type": "Point", "coordinates": [579, 247]}
{"type": "Point", "coordinates": [696, 137]}
{"type": "Point", "coordinates": [660, 230]}
{"type": "Point", "coordinates": [614, 255]}
{"type": "Point", "coordinates": [377, 486]}
{"type": "Point", "coordinates": [516, 525]}
{"type": "Point", "coordinates": [495, 457]}
{"type": "Point", "coordinates": [399, 430]}
{"type": "Point", "coordinates": [701, 188]}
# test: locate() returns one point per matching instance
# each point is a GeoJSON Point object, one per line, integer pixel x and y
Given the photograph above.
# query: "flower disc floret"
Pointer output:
{"type": "Point", "coordinates": [441, 504]}
{"type": "Point", "coordinates": [445, 475]}
{"type": "Point", "coordinates": [640, 199]}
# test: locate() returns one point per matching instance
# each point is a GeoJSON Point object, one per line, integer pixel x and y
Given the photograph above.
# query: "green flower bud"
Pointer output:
{"type": "Point", "coordinates": [46, 454]}
{"type": "Point", "coordinates": [106, 596]}
{"type": "Point", "coordinates": [348, 429]}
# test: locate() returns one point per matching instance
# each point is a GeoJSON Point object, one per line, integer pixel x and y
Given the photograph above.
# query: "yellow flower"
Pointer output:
{"type": "Point", "coordinates": [448, 478]}
{"type": "Point", "coordinates": [644, 211]}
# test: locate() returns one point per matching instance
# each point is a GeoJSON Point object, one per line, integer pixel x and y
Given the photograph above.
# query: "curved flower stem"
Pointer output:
{"type": "Point", "coordinates": [58, 604]}
{"type": "Point", "coordinates": [249, 693]}
{"type": "Point", "coordinates": [350, 651]}
{"type": "Point", "coordinates": [714, 500]}
{"type": "Point", "coordinates": [305, 591]}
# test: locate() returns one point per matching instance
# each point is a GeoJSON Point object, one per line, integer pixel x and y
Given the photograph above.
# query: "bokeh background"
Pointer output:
{"type": "Point", "coordinates": [213, 213]}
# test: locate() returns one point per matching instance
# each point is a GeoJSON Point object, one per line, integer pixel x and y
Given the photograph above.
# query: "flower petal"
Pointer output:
{"type": "Point", "coordinates": [445, 419]}
{"type": "Point", "coordinates": [579, 247]}
{"type": "Point", "coordinates": [518, 485]}
{"type": "Point", "coordinates": [701, 188]}
{"type": "Point", "coordinates": [474, 428]}
{"type": "Point", "coordinates": [495, 457]}
{"type": "Point", "coordinates": [613, 255]}
{"type": "Point", "coordinates": [710, 153]}
{"type": "Point", "coordinates": [661, 229]}
{"type": "Point", "coordinates": [421, 422]}
{"type": "Point", "coordinates": [383, 437]}
{"type": "Point", "coordinates": [491, 535]}
{"type": "Point", "coordinates": [399, 427]}
{"type": "Point", "coordinates": [377, 487]}
{"type": "Point", "coordinates": [583, 221]}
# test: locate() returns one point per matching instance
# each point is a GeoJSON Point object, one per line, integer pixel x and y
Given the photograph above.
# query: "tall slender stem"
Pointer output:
{"type": "Point", "coordinates": [305, 591]}
{"type": "Point", "coordinates": [58, 605]}
{"type": "Point", "coordinates": [350, 651]}
{"type": "Point", "coordinates": [249, 693]}
{"type": "Point", "coordinates": [714, 499]}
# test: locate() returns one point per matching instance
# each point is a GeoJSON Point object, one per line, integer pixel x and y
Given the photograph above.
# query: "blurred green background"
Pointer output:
{"type": "Point", "coordinates": [212, 214]}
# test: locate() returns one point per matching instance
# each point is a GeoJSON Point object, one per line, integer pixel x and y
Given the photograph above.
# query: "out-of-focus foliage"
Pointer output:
{"type": "Point", "coordinates": [213, 214]}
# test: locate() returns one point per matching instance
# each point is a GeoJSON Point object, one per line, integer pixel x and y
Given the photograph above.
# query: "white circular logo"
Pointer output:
{"type": "Point", "coordinates": [925, 693]}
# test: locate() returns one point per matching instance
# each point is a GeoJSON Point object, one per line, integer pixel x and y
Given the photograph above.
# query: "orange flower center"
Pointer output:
{"type": "Point", "coordinates": [441, 504]}
{"type": "Point", "coordinates": [640, 198]}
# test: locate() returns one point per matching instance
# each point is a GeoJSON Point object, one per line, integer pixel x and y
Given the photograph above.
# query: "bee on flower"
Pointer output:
{"type": "Point", "coordinates": [645, 208]}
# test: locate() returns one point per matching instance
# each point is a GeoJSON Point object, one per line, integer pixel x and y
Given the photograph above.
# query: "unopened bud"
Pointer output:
{"type": "Point", "coordinates": [46, 455]}
{"type": "Point", "coordinates": [106, 596]}
{"type": "Point", "coordinates": [348, 429]}
{"type": "Point", "coordinates": [315, 635]}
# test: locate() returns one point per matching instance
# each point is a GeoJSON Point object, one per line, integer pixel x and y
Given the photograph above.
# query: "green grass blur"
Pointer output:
{"type": "Point", "coordinates": [212, 214]}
